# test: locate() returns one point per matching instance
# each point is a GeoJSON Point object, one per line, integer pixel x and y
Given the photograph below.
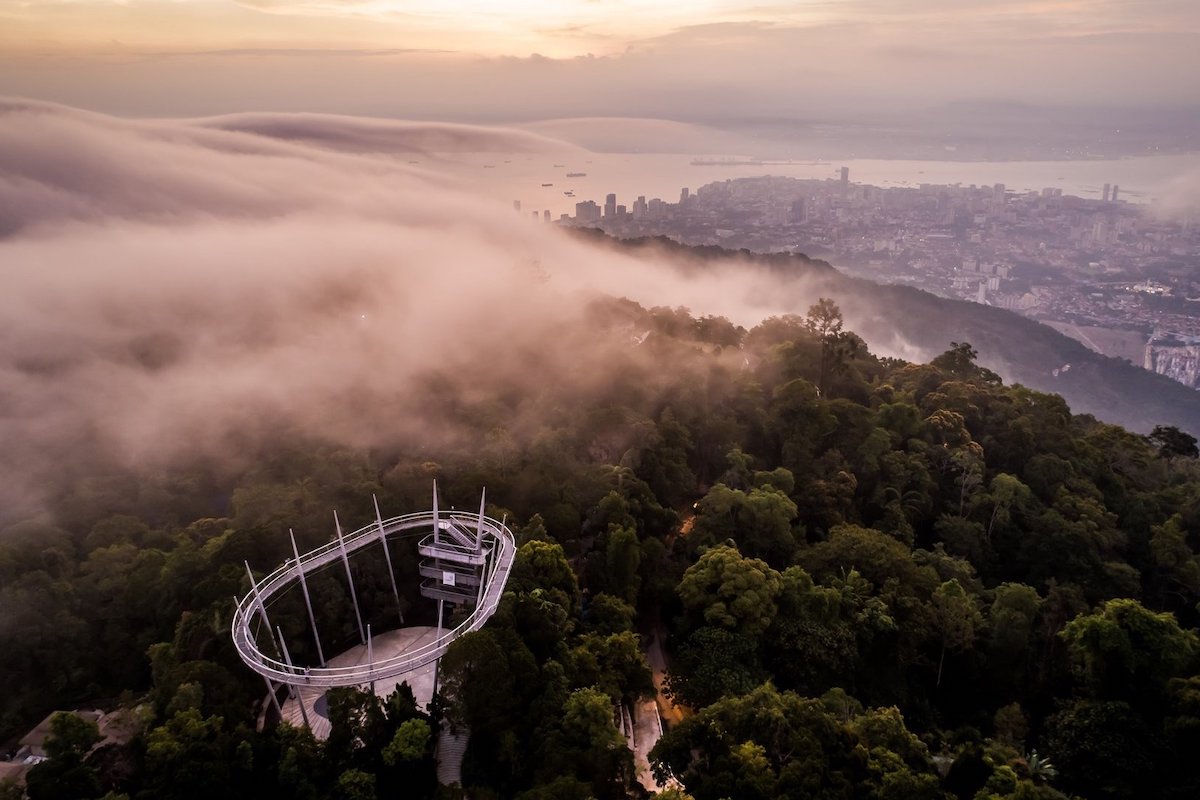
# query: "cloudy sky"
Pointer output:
{"type": "Point", "coordinates": [522, 59]}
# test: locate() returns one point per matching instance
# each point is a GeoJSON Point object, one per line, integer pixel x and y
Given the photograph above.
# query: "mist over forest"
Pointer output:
{"type": "Point", "coordinates": [851, 541]}
{"type": "Point", "coordinates": [175, 287]}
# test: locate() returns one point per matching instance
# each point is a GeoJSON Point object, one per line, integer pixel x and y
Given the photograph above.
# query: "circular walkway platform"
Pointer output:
{"type": "Point", "coordinates": [385, 646]}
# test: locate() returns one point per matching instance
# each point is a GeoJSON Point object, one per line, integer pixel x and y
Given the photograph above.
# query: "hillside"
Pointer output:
{"type": "Point", "coordinates": [1020, 350]}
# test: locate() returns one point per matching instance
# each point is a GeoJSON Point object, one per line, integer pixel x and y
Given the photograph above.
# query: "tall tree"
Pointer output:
{"type": "Point", "coordinates": [956, 619]}
{"type": "Point", "coordinates": [824, 321]}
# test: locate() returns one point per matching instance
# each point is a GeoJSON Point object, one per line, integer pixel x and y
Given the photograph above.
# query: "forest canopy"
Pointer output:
{"type": "Point", "coordinates": [873, 578]}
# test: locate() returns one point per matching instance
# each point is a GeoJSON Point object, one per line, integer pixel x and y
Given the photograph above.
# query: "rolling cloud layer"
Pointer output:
{"type": "Point", "coordinates": [178, 289]}
{"type": "Point", "coordinates": [197, 289]}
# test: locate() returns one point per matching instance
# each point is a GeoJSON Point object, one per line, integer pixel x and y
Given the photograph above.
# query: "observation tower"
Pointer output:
{"type": "Point", "coordinates": [465, 560]}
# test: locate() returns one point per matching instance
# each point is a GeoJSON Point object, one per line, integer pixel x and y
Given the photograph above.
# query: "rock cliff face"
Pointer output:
{"type": "Point", "coordinates": [1177, 360]}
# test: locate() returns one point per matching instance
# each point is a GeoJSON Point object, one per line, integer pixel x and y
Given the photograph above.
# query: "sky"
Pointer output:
{"type": "Point", "coordinates": [519, 60]}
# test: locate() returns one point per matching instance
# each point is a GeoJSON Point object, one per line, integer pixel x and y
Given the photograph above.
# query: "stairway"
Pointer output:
{"type": "Point", "coordinates": [450, 751]}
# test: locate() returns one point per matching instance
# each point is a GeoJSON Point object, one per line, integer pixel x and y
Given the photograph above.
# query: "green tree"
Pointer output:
{"type": "Point", "coordinates": [354, 784]}
{"type": "Point", "coordinates": [476, 678]}
{"type": "Point", "coordinates": [728, 590]}
{"type": "Point", "coordinates": [72, 736]}
{"type": "Point", "coordinates": [956, 620]}
{"type": "Point", "coordinates": [409, 744]}
{"type": "Point", "coordinates": [824, 321]}
{"type": "Point", "coordinates": [1011, 725]}
{"type": "Point", "coordinates": [1173, 443]}
{"type": "Point", "coordinates": [1175, 569]}
{"type": "Point", "coordinates": [712, 663]}
{"type": "Point", "coordinates": [623, 555]}
{"type": "Point", "coordinates": [587, 745]}
{"type": "Point", "coordinates": [1124, 649]}
{"type": "Point", "coordinates": [959, 361]}
{"type": "Point", "coordinates": [769, 744]}
{"type": "Point", "coordinates": [66, 774]}
{"type": "Point", "coordinates": [614, 664]}
{"type": "Point", "coordinates": [1005, 494]}
{"type": "Point", "coordinates": [609, 614]}
{"type": "Point", "coordinates": [543, 565]}
{"type": "Point", "coordinates": [1010, 625]}
{"type": "Point", "coordinates": [1103, 750]}
{"type": "Point", "coordinates": [760, 521]}
{"type": "Point", "coordinates": [189, 756]}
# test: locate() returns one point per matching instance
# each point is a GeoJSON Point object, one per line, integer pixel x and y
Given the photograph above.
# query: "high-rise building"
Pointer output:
{"type": "Point", "coordinates": [546, 215]}
{"type": "Point", "coordinates": [1107, 191]}
{"type": "Point", "coordinates": [1116, 189]}
{"type": "Point", "coordinates": [798, 211]}
{"type": "Point", "coordinates": [587, 211]}
{"type": "Point", "coordinates": [610, 206]}
{"type": "Point", "coordinates": [683, 195]}
{"type": "Point", "coordinates": [845, 175]}
{"type": "Point", "coordinates": [998, 193]}
{"type": "Point", "coordinates": [639, 207]}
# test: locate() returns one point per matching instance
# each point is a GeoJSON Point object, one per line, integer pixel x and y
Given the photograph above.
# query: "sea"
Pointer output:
{"type": "Point", "coordinates": [540, 182]}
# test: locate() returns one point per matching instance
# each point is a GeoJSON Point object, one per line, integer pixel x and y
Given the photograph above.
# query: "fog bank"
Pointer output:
{"type": "Point", "coordinates": [176, 289]}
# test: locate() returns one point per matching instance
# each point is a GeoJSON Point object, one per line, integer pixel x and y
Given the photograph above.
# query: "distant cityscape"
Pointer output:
{"type": "Point", "coordinates": [1115, 275]}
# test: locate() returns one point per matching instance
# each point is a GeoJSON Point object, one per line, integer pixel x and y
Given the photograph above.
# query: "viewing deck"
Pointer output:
{"type": "Point", "coordinates": [492, 562]}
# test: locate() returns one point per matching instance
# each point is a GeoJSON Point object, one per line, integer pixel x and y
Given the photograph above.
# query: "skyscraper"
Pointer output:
{"type": "Point", "coordinates": [587, 211]}
{"type": "Point", "coordinates": [798, 211]}
{"type": "Point", "coordinates": [1107, 191]}
{"type": "Point", "coordinates": [610, 206]}
{"type": "Point", "coordinates": [683, 195]}
{"type": "Point", "coordinates": [1116, 189]}
{"type": "Point", "coordinates": [845, 175]}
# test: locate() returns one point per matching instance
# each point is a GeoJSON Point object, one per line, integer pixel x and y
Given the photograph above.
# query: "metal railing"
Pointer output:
{"type": "Point", "coordinates": [495, 577]}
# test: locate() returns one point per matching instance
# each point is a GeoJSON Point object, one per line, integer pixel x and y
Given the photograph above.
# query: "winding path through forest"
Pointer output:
{"type": "Point", "coordinates": [649, 714]}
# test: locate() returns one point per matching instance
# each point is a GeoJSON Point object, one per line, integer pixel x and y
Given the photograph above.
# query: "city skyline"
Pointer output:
{"type": "Point", "coordinates": [1111, 274]}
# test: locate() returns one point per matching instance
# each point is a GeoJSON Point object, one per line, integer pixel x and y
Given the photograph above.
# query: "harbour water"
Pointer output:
{"type": "Point", "coordinates": [540, 182]}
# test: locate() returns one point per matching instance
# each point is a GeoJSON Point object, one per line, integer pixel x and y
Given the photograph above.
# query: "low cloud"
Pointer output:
{"type": "Point", "coordinates": [1180, 197]}
{"type": "Point", "coordinates": [641, 135]}
{"type": "Point", "coordinates": [382, 136]}
{"type": "Point", "coordinates": [178, 290]}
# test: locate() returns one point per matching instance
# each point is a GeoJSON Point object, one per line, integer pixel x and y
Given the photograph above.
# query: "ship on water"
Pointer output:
{"type": "Point", "coordinates": [753, 162]}
{"type": "Point", "coordinates": [576, 174]}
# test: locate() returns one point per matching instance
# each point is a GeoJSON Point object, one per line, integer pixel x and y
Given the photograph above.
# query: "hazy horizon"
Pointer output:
{"type": "Point", "coordinates": [721, 62]}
